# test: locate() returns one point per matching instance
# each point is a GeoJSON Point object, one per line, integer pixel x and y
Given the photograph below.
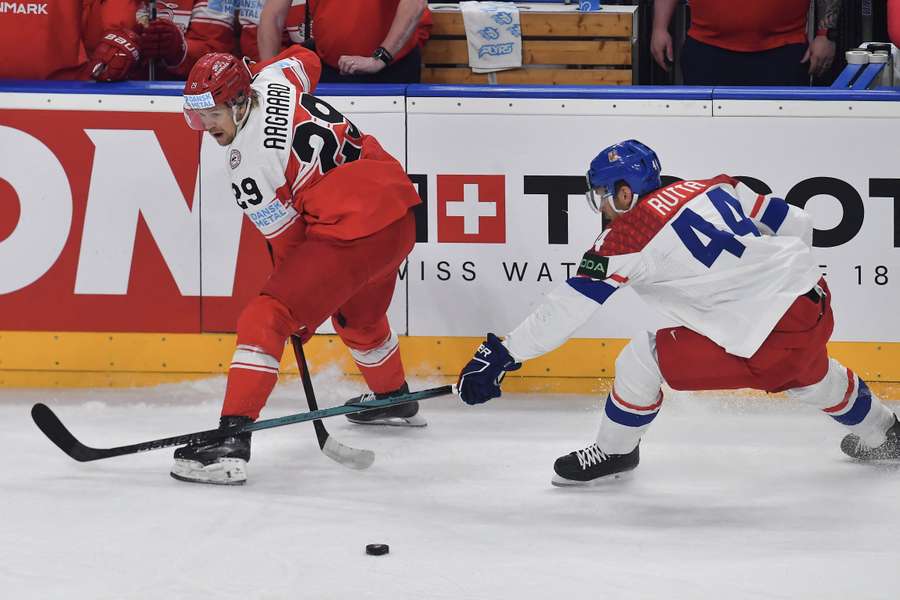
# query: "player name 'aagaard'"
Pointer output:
{"type": "Point", "coordinates": [278, 103]}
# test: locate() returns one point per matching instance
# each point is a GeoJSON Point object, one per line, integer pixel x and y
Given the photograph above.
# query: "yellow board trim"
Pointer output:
{"type": "Point", "coordinates": [88, 359]}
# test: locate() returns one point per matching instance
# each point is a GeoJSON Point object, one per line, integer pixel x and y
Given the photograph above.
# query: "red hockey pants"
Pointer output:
{"type": "Point", "coordinates": [794, 355]}
{"type": "Point", "coordinates": [350, 281]}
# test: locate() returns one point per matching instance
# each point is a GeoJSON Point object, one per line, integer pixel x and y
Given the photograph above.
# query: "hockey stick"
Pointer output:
{"type": "Point", "coordinates": [151, 66]}
{"type": "Point", "coordinates": [348, 456]}
{"type": "Point", "coordinates": [49, 423]}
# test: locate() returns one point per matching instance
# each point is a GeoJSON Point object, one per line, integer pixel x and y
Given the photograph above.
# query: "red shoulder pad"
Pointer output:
{"type": "Point", "coordinates": [721, 178]}
{"type": "Point", "coordinates": [309, 59]}
{"type": "Point", "coordinates": [632, 231]}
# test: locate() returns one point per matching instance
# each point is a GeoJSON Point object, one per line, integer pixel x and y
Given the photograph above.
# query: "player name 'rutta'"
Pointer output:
{"type": "Point", "coordinates": [671, 198]}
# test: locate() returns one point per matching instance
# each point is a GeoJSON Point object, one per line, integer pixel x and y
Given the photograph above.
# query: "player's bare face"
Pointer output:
{"type": "Point", "coordinates": [219, 122]}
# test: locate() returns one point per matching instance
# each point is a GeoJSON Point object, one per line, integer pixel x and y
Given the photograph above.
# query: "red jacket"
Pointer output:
{"type": "Point", "coordinates": [749, 25]}
{"type": "Point", "coordinates": [893, 19]}
{"type": "Point", "coordinates": [248, 17]}
{"type": "Point", "coordinates": [295, 27]}
{"type": "Point", "coordinates": [207, 27]}
{"type": "Point", "coordinates": [357, 28]}
{"type": "Point", "coordinates": [52, 39]}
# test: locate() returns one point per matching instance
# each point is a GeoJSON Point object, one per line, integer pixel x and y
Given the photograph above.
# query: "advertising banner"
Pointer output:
{"type": "Point", "coordinates": [100, 222]}
{"type": "Point", "coordinates": [123, 220]}
{"type": "Point", "coordinates": [508, 219]}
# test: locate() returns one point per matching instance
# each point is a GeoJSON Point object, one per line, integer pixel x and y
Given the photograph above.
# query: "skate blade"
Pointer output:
{"type": "Point", "coordinates": [865, 454]}
{"type": "Point", "coordinates": [883, 460]}
{"type": "Point", "coordinates": [225, 471]}
{"type": "Point", "coordinates": [559, 481]}
{"type": "Point", "coordinates": [413, 421]}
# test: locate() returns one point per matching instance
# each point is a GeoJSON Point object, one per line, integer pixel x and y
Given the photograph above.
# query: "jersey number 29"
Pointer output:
{"type": "Point", "coordinates": [327, 143]}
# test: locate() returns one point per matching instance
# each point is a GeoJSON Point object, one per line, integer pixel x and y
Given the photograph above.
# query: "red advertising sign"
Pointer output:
{"type": "Point", "coordinates": [100, 226]}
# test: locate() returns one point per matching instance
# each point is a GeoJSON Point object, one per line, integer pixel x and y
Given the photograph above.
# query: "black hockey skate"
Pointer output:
{"type": "Point", "coordinates": [402, 415]}
{"type": "Point", "coordinates": [222, 462]}
{"type": "Point", "coordinates": [854, 447]}
{"type": "Point", "coordinates": [592, 465]}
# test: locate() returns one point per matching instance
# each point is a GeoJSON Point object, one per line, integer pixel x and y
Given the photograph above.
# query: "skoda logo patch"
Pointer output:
{"type": "Point", "coordinates": [593, 266]}
{"type": "Point", "coordinates": [235, 159]}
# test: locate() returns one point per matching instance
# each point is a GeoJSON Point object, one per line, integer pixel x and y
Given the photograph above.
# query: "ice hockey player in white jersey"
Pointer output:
{"type": "Point", "coordinates": [734, 269]}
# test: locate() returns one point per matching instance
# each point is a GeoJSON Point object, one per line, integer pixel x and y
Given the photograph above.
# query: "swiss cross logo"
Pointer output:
{"type": "Point", "coordinates": [471, 208]}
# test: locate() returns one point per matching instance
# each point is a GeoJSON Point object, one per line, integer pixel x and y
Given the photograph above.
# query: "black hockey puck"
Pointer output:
{"type": "Point", "coordinates": [377, 549]}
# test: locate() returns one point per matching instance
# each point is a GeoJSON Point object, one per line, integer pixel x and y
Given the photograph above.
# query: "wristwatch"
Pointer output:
{"type": "Point", "coordinates": [383, 55]}
{"type": "Point", "coordinates": [831, 33]}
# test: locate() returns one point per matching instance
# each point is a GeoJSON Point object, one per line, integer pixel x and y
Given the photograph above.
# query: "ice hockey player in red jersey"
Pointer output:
{"type": "Point", "coordinates": [183, 31]}
{"type": "Point", "coordinates": [68, 39]}
{"type": "Point", "coordinates": [734, 269]}
{"type": "Point", "coordinates": [335, 208]}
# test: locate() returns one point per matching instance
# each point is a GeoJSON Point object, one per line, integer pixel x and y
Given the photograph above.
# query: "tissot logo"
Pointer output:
{"type": "Point", "coordinates": [471, 208]}
{"type": "Point", "coordinates": [560, 190]}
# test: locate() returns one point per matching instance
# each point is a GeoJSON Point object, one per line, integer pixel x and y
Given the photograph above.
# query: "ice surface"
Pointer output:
{"type": "Point", "coordinates": [736, 497]}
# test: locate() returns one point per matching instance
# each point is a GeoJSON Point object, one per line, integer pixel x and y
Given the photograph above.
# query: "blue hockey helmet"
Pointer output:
{"type": "Point", "coordinates": [630, 162]}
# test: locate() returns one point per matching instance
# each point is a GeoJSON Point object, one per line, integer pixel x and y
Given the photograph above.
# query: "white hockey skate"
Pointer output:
{"type": "Point", "coordinates": [221, 462]}
{"type": "Point", "coordinates": [223, 471]}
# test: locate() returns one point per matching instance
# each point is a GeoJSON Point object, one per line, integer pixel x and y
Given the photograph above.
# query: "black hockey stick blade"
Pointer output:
{"type": "Point", "coordinates": [49, 423]}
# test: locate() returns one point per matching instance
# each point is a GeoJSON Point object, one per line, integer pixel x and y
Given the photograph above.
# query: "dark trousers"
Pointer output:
{"type": "Point", "coordinates": [405, 70]}
{"type": "Point", "coordinates": [703, 64]}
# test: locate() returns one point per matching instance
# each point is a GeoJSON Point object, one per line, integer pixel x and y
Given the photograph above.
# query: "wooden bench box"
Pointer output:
{"type": "Point", "coordinates": [560, 46]}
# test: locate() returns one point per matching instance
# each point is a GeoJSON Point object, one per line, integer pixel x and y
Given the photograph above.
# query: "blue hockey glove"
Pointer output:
{"type": "Point", "coordinates": [480, 379]}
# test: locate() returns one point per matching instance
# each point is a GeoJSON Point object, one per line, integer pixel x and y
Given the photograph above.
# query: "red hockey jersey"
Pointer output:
{"type": "Point", "coordinates": [53, 39]}
{"type": "Point", "coordinates": [208, 26]}
{"type": "Point", "coordinates": [299, 167]}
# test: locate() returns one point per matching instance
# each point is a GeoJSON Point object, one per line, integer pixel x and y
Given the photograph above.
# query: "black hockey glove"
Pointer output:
{"type": "Point", "coordinates": [480, 379]}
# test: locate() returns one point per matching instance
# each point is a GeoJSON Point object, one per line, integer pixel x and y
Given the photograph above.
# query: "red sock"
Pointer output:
{"type": "Point", "coordinates": [264, 325]}
{"type": "Point", "coordinates": [381, 366]}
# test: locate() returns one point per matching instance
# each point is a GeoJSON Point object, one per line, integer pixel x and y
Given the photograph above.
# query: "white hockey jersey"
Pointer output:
{"type": "Point", "coordinates": [300, 168]}
{"type": "Point", "coordinates": [712, 255]}
{"type": "Point", "coordinates": [260, 154]}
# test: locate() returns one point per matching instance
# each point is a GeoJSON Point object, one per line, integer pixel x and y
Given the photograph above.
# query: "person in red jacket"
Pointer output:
{"type": "Point", "coordinates": [69, 39]}
{"type": "Point", "coordinates": [893, 16]}
{"type": "Point", "coordinates": [183, 31]}
{"type": "Point", "coordinates": [763, 42]}
{"type": "Point", "coordinates": [336, 210]}
{"type": "Point", "coordinates": [292, 25]}
{"type": "Point", "coordinates": [378, 41]}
